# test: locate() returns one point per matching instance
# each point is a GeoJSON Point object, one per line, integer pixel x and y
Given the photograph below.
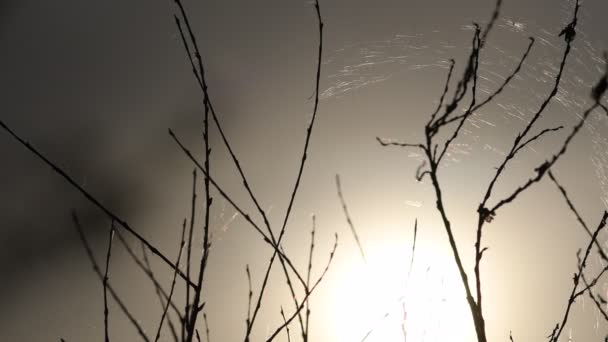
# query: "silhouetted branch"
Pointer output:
{"type": "Point", "coordinates": [348, 219]}
{"type": "Point", "coordinates": [105, 284]}
{"type": "Point", "coordinates": [122, 223]}
{"type": "Point", "coordinates": [600, 303]}
{"type": "Point", "coordinates": [308, 293]}
{"type": "Point", "coordinates": [308, 273]}
{"type": "Point", "coordinates": [179, 256]}
{"type": "Point", "coordinates": [97, 270]}
{"type": "Point", "coordinates": [577, 276]}
{"type": "Point", "coordinates": [160, 293]}
{"type": "Point", "coordinates": [385, 142]}
{"type": "Point", "coordinates": [576, 214]}
{"type": "Point", "coordinates": [286, 325]}
{"type": "Point", "coordinates": [189, 246]}
{"type": "Point", "coordinates": [249, 295]}
{"type": "Point", "coordinates": [300, 172]}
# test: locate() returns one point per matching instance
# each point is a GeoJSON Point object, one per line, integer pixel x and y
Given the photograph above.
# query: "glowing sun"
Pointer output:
{"type": "Point", "coordinates": [374, 301]}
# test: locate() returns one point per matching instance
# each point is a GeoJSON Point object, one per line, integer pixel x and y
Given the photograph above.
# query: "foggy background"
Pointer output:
{"type": "Point", "coordinates": [95, 85]}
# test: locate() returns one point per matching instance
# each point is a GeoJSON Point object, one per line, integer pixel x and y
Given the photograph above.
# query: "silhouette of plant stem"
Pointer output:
{"type": "Point", "coordinates": [434, 157]}
{"type": "Point", "coordinates": [97, 270]}
{"type": "Point", "coordinates": [286, 326]}
{"type": "Point", "coordinates": [308, 273]}
{"type": "Point", "coordinates": [308, 293]}
{"type": "Point", "coordinates": [572, 208]}
{"type": "Point", "coordinates": [162, 297]}
{"type": "Point", "coordinates": [577, 277]}
{"type": "Point", "coordinates": [121, 223]}
{"type": "Point", "coordinates": [179, 256]}
{"type": "Point", "coordinates": [105, 284]}
{"type": "Point", "coordinates": [298, 178]}
{"type": "Point", "coordinates": [348, 219]}
{"type": "Point", "coordinates": [189, 245]}
{"type": "Point", "coordinates": [600, 303]}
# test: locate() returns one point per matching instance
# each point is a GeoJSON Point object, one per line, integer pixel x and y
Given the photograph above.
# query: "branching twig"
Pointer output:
{"type": "Point", "coordinates": [122, 223]}
{"type": "Point", "coordinates": [179, 256]}
{"type": "Point", "coordinates": [97, 270]}
{"type": "Point", "coordinates": [577, 276]}
{"type": "Point", "coordinates": [348, 218]}
{"type": "Point", "coordinates": [105, 284]}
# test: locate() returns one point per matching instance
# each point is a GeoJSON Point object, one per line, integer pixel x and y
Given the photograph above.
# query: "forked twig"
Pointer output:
{"type": "Point", "coordinates": [97, 270]}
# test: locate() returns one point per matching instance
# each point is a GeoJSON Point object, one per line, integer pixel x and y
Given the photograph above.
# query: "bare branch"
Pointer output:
{"type": "Point", "coordinates": [97, 270]}
{"type": "Point", "coordinates": [179, 256]}
{"type": "Point", "coordinates": [348, 219]}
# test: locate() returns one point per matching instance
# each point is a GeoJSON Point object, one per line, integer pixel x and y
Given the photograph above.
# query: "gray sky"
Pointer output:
{"type": "Point", "coordinates": [96, 84]}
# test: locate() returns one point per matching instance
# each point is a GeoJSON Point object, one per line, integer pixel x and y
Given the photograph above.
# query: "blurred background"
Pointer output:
{"type": "Point", "coordinates": [96, 84]}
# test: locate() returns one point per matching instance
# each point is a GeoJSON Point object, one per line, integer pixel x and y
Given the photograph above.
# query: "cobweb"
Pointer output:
{"type": "Point", "coordinates": [365, 64]}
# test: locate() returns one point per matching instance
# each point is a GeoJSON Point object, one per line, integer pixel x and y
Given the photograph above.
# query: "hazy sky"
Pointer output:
{"type": "Point", "coordinates": [96, 84]}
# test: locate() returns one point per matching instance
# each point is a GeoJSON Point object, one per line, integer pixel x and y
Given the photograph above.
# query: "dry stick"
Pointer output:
{"type": "Point", "coordinates": [445, 90]}
{"type": "Point", "coordinates": [202, 83]}
{"type": "Point", "coordinates": [233, 204]}
{"type": "Point", "coordinates": [308, 273]}
{"type": "Point", "coordinates": [287, 326]}
{"type": "Point", "coordinates": [200, 76]}
{"type": "Point", "coordinates": [486, 215]}
{"type": "Point", "coordinates": [179, 256]}
{"type": "Point", "coordinates": [543, 168]}
{"type": "Point", "coordinates": [500, 89]}
{"type": "Point", "coordinates": [249, 295]}
{"type": "Point", "coordinates": [301, 168]}
{"type": "Point", "coordinates": [189, 247]}
{"type": "Point", "coordinates": [93, 200]}
{"type": "Point", "coordinates": [348, 219]}
{"type": "Point", "coordinates": [105, 284]}
{"type": "Point", "coordinates": [517, 142]}
{"type": "Point", "coordinates": [491, 23]}
{"type": "Point", "coordinates": [206, 326]}
{"type": "Point", "coordinates": [597, 244]}
{"type": "Point", "coordinates": [206, 245]}
{"type": "Point", "coordinates": [308, 294]}
{"type": "Point", "coordinates": [471, 74]}
{"type": "Point", "coordinates": [597, 303]}
{"type": "Point", "coordinates": [576, 214]}
{"type": "Point", "coordinates": [162, 295]}
{"type": "Point", "coordinates": [145, 267]}
{"type": "Point", "coordinates": [97, 270]}
{"type": "Point", "coordinates": [577, 277]}
{"type": "Point", "coordinates": [477, 316]}
{"type": "Point", "coordinates": [386, 142]}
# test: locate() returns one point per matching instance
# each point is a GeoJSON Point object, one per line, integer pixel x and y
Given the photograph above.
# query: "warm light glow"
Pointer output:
{"type": "Point", "coordinates": [375, 295]}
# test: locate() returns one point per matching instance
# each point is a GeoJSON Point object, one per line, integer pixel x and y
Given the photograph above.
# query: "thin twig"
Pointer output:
{"type": "Point", "coordinates": [179, 256]}
{"type": "Point", "coordinates": [105, 284]}
{"type": "Point", "coordinates": [308, 294]}
{"type": "Point", "coordinates": [348, 218]}
{"type": "Point", "coordinates": [577, 276]}
{"type": "Point", "coordinates": [122, 223]}
{"type": "Point", "coordinates": [97, 270]}
{"type": "Point", "coordinates": [189, 247]}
